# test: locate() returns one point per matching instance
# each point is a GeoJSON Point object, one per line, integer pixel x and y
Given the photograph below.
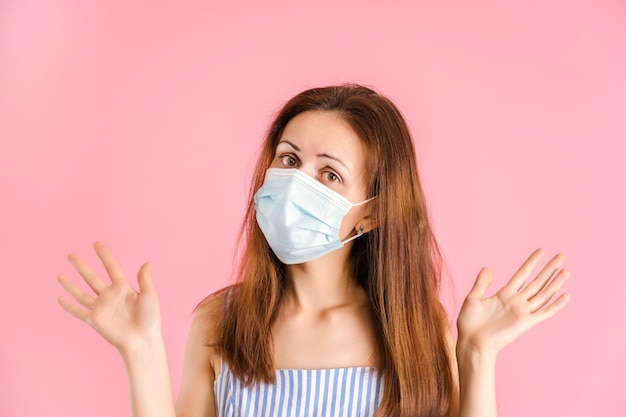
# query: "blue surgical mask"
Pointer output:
{"type": "Point", "coordinates": [299, 216]}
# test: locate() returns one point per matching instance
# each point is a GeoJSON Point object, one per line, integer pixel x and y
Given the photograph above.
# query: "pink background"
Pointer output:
{"type": "Point", "coordinates": [137, 123]}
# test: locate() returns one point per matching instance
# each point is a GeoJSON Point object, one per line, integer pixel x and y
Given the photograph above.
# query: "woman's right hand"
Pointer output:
{"type": "Point", "coordinates": [124, 317]}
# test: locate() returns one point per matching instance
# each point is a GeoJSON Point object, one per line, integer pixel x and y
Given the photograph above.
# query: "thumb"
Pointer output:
{"type": "Point", "coordinates": [144, 278]}
{"type": "Point", "coordinates": [483, 281]}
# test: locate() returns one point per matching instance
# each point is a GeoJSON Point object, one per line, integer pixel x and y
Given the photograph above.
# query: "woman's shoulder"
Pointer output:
{"type": "Point", "coordinates": [202, 357]}
{"type": "Point", "coordinates": [208, 315]}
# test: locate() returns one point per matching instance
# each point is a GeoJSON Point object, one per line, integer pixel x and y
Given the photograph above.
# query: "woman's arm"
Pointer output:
{"type": "Point", "coordinates": [488, 324]}
{"type": "Point", "coordinates": [149, 380]}
{"type": "Point", "coordinates": [196, 397]}
{"type": "Point", "coordinates": [477, 382]}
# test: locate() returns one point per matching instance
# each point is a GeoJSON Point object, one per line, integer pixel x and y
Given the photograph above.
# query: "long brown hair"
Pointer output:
{"type": "Point", "coordinates": [397, 263]}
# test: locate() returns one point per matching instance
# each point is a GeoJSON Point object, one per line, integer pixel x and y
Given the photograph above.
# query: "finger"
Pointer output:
{"type": "Point", "coordinates": [552, 308]}
{"type": "Point", "coordinates": [145, 279]}
{"type": "Point", "coordinates": [73, 309]}
{"type": "Point", "coordinates": [548, 271]}
{"type": "Point", "coordinates": [540, 300]}
{"type": "Point", "coordinates": [90, 277]}
{"type": "Point", "coordinates": [519, 278]}
{"type": "Point", "coordinates": [482, 283]}
{"type": "Point", "coordinates": [78, 294]}
{"type": "Point", "coordinates": [114, 271]}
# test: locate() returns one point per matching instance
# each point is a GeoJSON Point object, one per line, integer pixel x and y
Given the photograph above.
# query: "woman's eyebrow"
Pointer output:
{"type": "Point", "coordinates": [321, 155]}
{"type": "Point", "coordinates": [295, 148]}
{"type": "Point", "coordinates": [334, 158]}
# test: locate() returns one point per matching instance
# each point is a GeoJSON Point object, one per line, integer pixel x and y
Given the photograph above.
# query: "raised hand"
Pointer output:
{"type": "Point", "coordinates": [124, 317]}
{"type": "Point", "coordinates": [488, 324]}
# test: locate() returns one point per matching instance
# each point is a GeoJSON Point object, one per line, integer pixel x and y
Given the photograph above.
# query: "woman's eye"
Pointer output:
{"type": "Point", "coordinates": [288, 161]}
{"type": "Point", "coordinates": [331, 176]}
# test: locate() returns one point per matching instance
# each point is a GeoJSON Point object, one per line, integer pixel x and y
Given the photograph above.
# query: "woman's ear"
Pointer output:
{"type": "Point", "coordinates": [365, 225]}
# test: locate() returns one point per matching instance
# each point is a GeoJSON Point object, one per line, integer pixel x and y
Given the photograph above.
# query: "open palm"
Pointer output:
{"type": "Point", "coordinates": [123, 316]}
{"type": "Point", "coordinates": [491, 323]}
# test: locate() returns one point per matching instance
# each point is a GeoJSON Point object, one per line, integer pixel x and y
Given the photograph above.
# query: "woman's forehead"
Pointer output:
{"type": "Point", "coordinates": [322, 132]}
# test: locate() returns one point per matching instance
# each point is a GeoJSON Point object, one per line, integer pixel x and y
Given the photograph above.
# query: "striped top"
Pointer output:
{"type": "Point", "coordinates": [340, 392]}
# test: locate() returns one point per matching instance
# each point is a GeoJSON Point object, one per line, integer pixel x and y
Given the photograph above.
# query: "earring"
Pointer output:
{"type": "Point", "coordinates": [361, 229]}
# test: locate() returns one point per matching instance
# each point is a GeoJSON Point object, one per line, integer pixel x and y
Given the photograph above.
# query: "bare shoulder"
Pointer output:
{"type": "Point", "coordinates": [207, 317]}
{"type": "Point", "coordinates": [202, 360]}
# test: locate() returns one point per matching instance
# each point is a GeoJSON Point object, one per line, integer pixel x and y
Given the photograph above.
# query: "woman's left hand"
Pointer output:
{"type": "Point", "coordinates": [489, 324]}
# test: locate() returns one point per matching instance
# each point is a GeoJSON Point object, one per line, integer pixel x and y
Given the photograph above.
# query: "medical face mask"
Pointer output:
{"type": "Point", "coordinates": [299, 216]}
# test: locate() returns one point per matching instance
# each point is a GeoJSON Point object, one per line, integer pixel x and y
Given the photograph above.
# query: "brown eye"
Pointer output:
{"type": "Point", "coordinates": [331, 176]}
{"type": "Point", "coordinates": [288, 161]}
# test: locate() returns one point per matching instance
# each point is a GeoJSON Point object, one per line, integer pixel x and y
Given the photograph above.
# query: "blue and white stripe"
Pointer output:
{"type": "Point", "coordinates": [341, 392]}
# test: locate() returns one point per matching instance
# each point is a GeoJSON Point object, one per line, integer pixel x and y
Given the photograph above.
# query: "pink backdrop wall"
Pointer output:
{"type": "Point", "coordinates": [136, 123]}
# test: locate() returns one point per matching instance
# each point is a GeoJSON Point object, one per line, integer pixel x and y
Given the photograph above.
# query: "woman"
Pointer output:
{"type": "Point", "coordinates": [335, 311]}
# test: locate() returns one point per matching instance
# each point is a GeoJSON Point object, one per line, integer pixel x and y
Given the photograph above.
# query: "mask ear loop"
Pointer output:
{"type": "Point", "coordinates": [364, 201]}
{"type": "Point", "coordinates": [359, 232]}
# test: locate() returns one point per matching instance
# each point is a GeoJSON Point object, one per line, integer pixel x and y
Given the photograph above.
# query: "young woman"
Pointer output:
{"type": "Point", "coordinates": [336, 311]}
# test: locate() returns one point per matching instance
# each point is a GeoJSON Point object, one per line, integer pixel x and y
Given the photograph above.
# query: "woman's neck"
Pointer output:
{"type": "Point", "coordinates": [322, 284]}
